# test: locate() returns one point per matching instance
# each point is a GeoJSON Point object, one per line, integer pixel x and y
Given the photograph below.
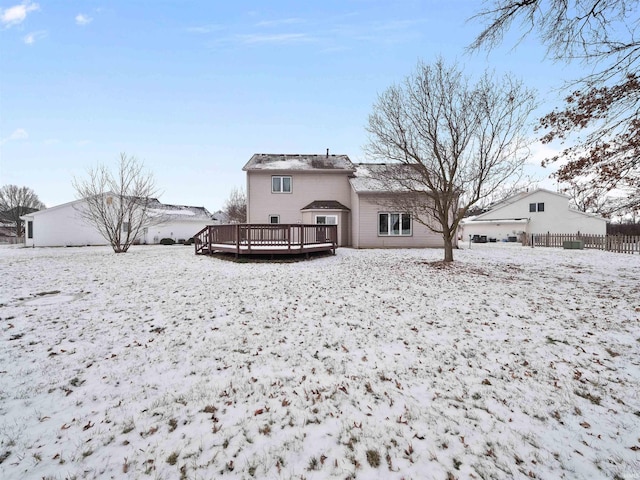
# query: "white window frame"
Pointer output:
{"type": "Point", "coordinates": [271, 217]}
{"type": "Point", "coordinates": [279, 188]}
{"type": "Point", "coordinates": [389, 224]}
{"type": "Point", "coordinates": [334, 217]}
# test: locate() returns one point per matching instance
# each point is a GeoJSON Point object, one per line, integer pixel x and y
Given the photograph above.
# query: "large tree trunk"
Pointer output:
{"type": "Point", "coordinates": [448, 248]}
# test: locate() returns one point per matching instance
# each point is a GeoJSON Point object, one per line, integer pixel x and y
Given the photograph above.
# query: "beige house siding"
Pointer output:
{"type": "Point", "coordinates": [367, 226]}
{"type": "Point", "coordinates": [355, 216]}
{"type": "Point", "coordinates": [343, 218]}
{"type": "Point", "coordinates": [306, 188]}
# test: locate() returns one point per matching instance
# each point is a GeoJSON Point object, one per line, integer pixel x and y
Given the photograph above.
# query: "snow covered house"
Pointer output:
{"type": "Point", "coordinates": [535, 212]}
{"type": "Point", "coordinates": [330, 189]}
{"type": "Point", "coordinates": [63, 225]}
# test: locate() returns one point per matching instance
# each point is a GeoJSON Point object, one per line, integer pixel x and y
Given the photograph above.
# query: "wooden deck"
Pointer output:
{"type": "Point", "coordinates": [266, 239]}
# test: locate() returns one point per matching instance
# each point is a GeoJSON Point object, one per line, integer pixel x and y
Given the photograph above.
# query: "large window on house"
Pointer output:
{"type": "Point", "coordinates": [326, 219]}
{"type": "Point", "coordinates": [394, 224]}
{"type": "Point", "coordinates": [281, 184]}
{"type": "Point", "coordinates": [29, 229]}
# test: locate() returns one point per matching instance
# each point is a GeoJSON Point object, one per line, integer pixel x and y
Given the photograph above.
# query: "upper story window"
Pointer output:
{"type": "Point", "coordinates": [394, 224]}
{"type": "Point", "coordinates": [536, 207]}
{"type": "Point", "coordinates": [281, 184]}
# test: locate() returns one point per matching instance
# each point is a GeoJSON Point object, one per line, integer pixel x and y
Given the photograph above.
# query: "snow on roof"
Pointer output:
{"type": "Point", "coordinates": [370, 178]}
{"type": "Point", "coordinates": [178, 212]}
{"type": "Point", "coordinates": [267, 161]}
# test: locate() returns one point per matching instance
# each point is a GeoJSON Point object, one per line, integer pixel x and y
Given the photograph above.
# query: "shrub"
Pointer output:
{"type": "Point", "coordinates": [167, 241]}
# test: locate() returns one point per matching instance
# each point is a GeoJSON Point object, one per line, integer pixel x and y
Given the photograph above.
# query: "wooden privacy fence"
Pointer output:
{"type": "Point", "coordinates": [609, 243]}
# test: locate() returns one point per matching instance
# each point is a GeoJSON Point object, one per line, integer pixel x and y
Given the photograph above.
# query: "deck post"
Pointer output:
{"type": "Point", "coordinates": [237, 240]}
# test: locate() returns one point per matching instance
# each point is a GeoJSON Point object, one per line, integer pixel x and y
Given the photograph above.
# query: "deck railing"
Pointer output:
{"type": "Point", "coordinates": [266, 238]}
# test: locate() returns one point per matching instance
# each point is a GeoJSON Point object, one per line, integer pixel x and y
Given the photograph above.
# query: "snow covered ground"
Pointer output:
{"type": "Point", "coordinates": [513, 363]}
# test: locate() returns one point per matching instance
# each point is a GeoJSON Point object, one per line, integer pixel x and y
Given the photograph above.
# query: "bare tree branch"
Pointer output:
{"type": "Point", "coordinates": [451, 142]}
{"type": "Point", "coordinates": [235, 208]}
{"type": "Point", "coordinates": [602, 34]}
{"type": "Point", "coordinates": [117, 204]}
{"type": "Point", "coordinates": [17, 201]}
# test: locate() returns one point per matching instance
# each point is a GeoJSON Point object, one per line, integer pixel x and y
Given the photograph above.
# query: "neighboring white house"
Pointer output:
{"type": "Point", "coordinates": [63, 225]}
{"type": "Point", "coordinates": [538, 211]}
{"type": "Point", "coordinates": [330, 189]}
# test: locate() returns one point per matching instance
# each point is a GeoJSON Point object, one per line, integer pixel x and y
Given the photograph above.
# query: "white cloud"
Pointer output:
{"type": "Point", "coordinates": [15, 15]}
{"type": "Point", "coordinates": [204, 29]}
{"type": "Point", "coordinates": [31, 38]}
{"type": "Point", "coordinates": [282, 38]}
{"type": "Point", "coordinates": [82, 19]}
{"type": "Point", "coordinates": [540, 152]}
{"type": "Point", "coordinates": [17, 134]}
{"type": "Point", "coordinates": [282, 21]}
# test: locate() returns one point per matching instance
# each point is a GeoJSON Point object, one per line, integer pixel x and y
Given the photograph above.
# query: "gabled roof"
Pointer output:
{"type": "Point", "coordinates": [170, 212]}
{"type": "Point", "coordinates": [325, 205]}
{"type": "Point", "coordinates": [178, 212]}
{"type": "Point", "coordinates": [489, 215]}
{"type": "Point", "coordinates": [516, 198]}
{"type": "Point", "coordinates": [285, 162]}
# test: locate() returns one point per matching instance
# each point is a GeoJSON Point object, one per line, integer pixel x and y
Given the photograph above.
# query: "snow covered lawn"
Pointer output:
{"type": "Point", "coordinates": [513, 363]}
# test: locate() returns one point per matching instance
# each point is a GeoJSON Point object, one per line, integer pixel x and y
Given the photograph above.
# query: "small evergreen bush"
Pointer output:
{"type": "Point", "coordinates": [167, 241]}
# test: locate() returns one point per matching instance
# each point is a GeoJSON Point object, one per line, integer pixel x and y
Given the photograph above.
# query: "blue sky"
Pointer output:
{"type": "Point", "coordinates": [194, 88]}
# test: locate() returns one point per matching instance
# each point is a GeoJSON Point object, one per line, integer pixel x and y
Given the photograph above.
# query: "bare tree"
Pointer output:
{"type": "Point", "coordinates": [452, 142]}
{"type": "Point", "coordinates": [117, 204]}
{"type": "Point", "coordinates": [17, 201]}
{"type": "Point", "coordinates": [605, 103]}
{"type": "Point", "coordinates": [235, 208]}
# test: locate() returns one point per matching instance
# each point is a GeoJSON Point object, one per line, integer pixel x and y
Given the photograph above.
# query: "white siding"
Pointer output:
{"type": "Point", "coordinates": [176, 230]}
{"type": "Point", "coordinates": [556, 218]}
{"type": "Point", "coordinates": [63, 226]}
{"type": "Point", "coordinates": [501, 231]}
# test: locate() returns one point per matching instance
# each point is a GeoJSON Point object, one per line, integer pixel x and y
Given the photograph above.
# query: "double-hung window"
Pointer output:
{"type": "Point", "coordinates": [29, 229]}
{"type": "Point", "coordinates": [536, 207]}
{"type": "Point", "coordinates": [281, 184]}
{"type": "Point", "coordinates": [326, 219]}
{"type": "Point", "coordinates": [394, 224]}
